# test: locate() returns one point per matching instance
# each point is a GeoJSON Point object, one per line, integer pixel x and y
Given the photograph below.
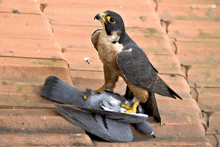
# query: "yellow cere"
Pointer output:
{"type": "Point", "coordinates": [103, 17]}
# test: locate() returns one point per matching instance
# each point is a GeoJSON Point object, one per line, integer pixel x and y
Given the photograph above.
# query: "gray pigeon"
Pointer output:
{"type": "Point", "coordinates": [100, 114]}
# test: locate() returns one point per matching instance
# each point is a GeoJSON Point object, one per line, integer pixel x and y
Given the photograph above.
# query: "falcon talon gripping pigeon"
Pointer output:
{"type": "Point", "coordinates": [122, 57]}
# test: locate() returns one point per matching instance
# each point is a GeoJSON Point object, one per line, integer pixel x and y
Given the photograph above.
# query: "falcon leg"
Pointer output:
{"type": "Point", "coordinates": [110, 80]}
{"type": "Point", "coordinates": [131, 109]}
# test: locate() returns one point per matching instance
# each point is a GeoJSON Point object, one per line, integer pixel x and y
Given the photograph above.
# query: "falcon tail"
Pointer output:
{"type": "Point", "coordinates": [173, 93]}
{"type": "Point", "coordinates": [161, 88]}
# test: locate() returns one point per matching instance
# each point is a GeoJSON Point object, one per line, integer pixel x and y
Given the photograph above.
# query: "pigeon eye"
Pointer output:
{"type": "Point", "coordinates": [111, 20]}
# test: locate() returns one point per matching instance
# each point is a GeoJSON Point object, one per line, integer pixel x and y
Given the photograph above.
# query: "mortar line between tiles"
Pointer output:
{"type": "Point", "coordinates": [217, 145]}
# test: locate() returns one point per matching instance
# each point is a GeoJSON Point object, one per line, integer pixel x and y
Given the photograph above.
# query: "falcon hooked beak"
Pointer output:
{"type": "Point", "coordinates": [100, 16]}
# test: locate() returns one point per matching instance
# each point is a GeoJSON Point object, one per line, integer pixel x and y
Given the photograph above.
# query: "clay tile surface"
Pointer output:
{"type": "Point", "coordinates": [40, 38]}
{"type": "Point", "coordinates": [20, 6]}
{"type": "Point", "coordinates": [193, 27]}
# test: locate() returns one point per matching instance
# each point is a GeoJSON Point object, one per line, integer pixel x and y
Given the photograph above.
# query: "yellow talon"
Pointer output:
{"type": "Point", "coordinates": [100, 89]}
{"type": "Point", "coordinates": [125, 106]}
{"type": "Point", "coordinates": [130, 109]}
{"type": "Point", "coordinates": [85, 97]}
{"type": "Point", "coordinates": [96, 92]}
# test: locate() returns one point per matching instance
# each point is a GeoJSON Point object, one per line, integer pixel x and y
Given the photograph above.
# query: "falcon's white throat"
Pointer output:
{"type": "Point", "coordinates": [107, 47]}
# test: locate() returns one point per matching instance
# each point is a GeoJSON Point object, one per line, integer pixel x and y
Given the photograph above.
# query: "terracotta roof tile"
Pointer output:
{"type": "Point", "coordinates": [207, 95]}
{"type": "Point", "coordinates": [38, 123]}
{"type": "Point", "coordinates": [25, 75]}
{"type": "Point", "coordinates": [44, 139]}
{"type": "Point", "coordinates": [214, 123]}
{"type": "Point", "coordinates": [194, 44]}
{"type": "Point", "coordinates": [171, 66]}
{"type": "Point", "coordinates": [25, 26]}
{"type": "Point", "coordinates": [74, 36]}
{"type": "Point", "coordinates": [200, 10]}
{"type": "Point", "coordinates": [75, 58]}
{"type": "Point", "coordinates": [23, 6]}
{"type": "Point", "coordinates": [194, 29]}
{"type": "Point", "coordinates": [201, 53]}
{"type": "Point", "coordinates": [29, 48]}
{"type": "Point", "coordinates": [213, 140]}
{"type": "Point", "coordinates": [169, 103]}
{"type": "Point", "coordinates": [204, 76]}
{"type": "Point", "coordinates": [152, 40]}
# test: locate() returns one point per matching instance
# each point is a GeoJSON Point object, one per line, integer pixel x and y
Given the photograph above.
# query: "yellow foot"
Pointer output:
{"type": "Point", "coordinates": [100, 89]}
{"type": "Point", "coordinates": [85, 96]}
{"type": "Point", "coordinates": [130, 109]}
{"type": "Point", "coordinates": [96, 92]}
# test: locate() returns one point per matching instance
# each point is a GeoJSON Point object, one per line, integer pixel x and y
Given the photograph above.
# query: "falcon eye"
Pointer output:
{"type": "Point", "coordinates": [111, 20]}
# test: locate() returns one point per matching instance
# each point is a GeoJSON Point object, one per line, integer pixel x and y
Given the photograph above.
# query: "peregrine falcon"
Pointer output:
{"type": "Point", "coordinates": [122, 57]}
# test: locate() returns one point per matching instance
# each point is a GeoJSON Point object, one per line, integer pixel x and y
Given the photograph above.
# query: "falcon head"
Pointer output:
{"type": "Point", "coordinates": [112, 23]}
